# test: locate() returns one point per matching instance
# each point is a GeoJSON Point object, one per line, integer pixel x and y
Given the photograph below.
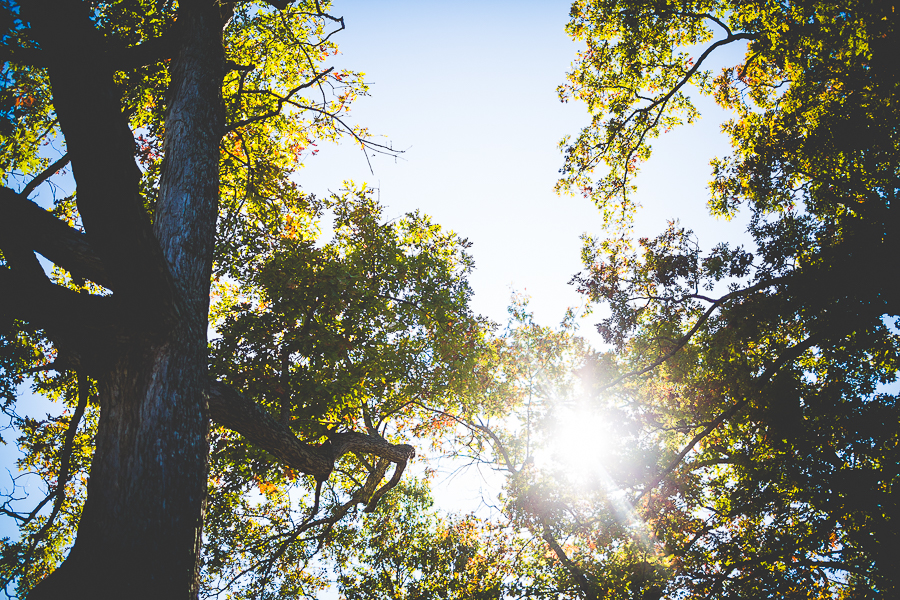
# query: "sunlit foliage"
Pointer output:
{"type": "Point", "coordinates": [325, 315]}
{"type": "Point", "coordinates": [356, 333]}
{"type": "Point", "coordinates": [765, 372]}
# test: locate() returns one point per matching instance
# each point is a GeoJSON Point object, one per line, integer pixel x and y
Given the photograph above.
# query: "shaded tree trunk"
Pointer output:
{"type": "Point", "coordinates": [139, 534]}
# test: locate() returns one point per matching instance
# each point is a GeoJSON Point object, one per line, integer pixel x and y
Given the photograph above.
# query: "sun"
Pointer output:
{"type": "Point", "coordinates": [578, 441]}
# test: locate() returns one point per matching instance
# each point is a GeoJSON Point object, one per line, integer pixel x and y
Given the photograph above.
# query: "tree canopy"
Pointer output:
{"type": "Point", "coordinates": [764, 369]}
{"type": "Point", "coordinates": [246, 369]}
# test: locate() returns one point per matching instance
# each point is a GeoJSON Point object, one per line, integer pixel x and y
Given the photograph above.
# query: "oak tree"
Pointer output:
{"type": "Point", "coordinates": [182, 125]}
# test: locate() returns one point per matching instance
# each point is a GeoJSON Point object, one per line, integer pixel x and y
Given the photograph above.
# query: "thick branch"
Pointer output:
{"type": "Point", "coordinates": [122, 59]}
{"type": "Point", "coordinates": [342, 443]}
{"type": "Point", "coordinates": [49, 306]}
{"type": "Point", "coordinates": [230, 409]}
{"type": "Point", "coordinates": [22, 56]}
{"type": "Point", "coordinates": [101, 146]}
{"type": "Point", "coordinates": [88, 326]}
{"type": "Point", "coordinates": [34, 229]}
{"type": "Point", "coordinates": [236, 412]}
{"type": "Point", "coordinates": [395, 479]}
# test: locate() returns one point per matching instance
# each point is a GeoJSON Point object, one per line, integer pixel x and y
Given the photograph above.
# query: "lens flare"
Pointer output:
{"type": "Point", "coordinates": [579, 442]}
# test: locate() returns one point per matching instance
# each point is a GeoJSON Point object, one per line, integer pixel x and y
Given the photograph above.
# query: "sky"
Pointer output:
{"type": "Point", "coordinates": [468, 91]}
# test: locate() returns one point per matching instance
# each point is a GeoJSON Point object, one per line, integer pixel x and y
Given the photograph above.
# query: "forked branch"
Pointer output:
{"type": "Point", "coordinates": [34, 229]}
{"type": "Point", "coordinates": [229, 408]}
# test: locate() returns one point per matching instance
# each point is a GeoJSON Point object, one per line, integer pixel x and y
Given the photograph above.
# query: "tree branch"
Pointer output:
{"type": "Point", "coordinates": [655, 110]}
{"type": "Point", "coordinates": [395, 479]}
{"type": "Point", "coordinates": [231, 409]}
{"type": "Point", "coordinates": [362, 495]}
{"type": "Point", "coordinates": [683, 340]}
{"type": "Point", "coordinates": [790, 355]}
{"type": "Point", "coordinates": [101, 147]}
{"type": "Point", "coordinates": [62, 478]}
{"type": "Point", "coordinates": [281, 100]}
{"type": "Point", "coordinates": [581, 579]}
{"type": "Point", "coordinates": [352, 441]}
{"type": "Point", "coordinates": [146, 53]}
{"type": "Point", "coordinates": [23, 56]}
{"type": "Point", "coordinates": [480, 428]}
{"type": "Point", "coordinates": [45, 175]}
{"type": "Point", "coordinates": [84, 326]}
{"type": "Point", "coordinates": [32, 228]}
{"type": "Point", "coordinates": [234, 411]}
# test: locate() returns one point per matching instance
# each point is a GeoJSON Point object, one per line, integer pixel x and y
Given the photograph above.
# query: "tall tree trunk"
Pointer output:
{"type": "Point", "coordinates": [139, 534]}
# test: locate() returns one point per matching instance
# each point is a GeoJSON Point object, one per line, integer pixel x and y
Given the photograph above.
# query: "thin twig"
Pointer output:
{"type": "Point", "coordinates": [683, 340]}
{"type": "Point", "coordinates": [63, 477]}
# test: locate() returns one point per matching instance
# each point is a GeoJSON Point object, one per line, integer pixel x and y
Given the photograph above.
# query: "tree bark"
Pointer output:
{"type": "Point", "coordinates": [238, 413]}
{"type": "Point", "coordinates": [140, 530]}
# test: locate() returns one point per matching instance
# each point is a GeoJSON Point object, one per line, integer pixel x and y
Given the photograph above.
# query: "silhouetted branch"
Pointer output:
{"type": "Point", "coordinates": [33, 229]}
{"type": "Point", "coordinates": [45, 175]}
{"type": "Point", "coordinates": [236, 412]}
{"type": "Point", "coordinates": [789, 355]}
{"type": "Point", "coordinates": [683, 340]}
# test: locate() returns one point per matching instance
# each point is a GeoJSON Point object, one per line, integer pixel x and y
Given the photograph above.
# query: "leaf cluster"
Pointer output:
{"type": "Point", "coordinates": [761, 374]}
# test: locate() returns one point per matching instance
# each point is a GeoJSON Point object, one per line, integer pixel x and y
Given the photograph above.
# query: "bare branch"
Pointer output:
{"type": "Point", "coordinates": [477, 428]}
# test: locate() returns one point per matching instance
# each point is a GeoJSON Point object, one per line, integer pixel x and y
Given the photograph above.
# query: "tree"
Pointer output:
{"type": "Point", "coordinates": [562, 527]}
{"type": "Point", "coordinates": [406, 550]}
{"type": "Point", "coordinates": [760, 373]}
{"type": "Point", "coordinates": [343, 342]}
{"type": "Point", "coordinates": [182, 126]}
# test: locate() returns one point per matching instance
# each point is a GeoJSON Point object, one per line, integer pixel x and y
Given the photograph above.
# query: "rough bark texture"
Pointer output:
{"type": "Point", "coordinates": [139, 533]}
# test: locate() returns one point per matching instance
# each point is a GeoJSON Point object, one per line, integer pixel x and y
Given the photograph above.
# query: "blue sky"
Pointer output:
{"type": "Point", "coordinates": [469, 90]}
